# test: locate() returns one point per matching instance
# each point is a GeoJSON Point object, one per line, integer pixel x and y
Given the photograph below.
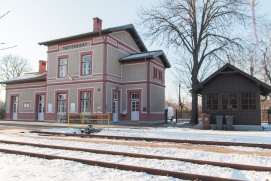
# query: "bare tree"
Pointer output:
{"type": "Point", "coordinates": [13, 66]}
{"type": "Point", "coordinates": [206, 30]}
{"type": "Point", "coordinates": [257, 53]}
{"type": "Point", "coordinates": [264, 50]}
{"type": "Point", "coordinates": [247, 59]}
{"type": "Point", "coordinates": [1, 43]}
{"type": "Point", "coordinates": [2, 109]}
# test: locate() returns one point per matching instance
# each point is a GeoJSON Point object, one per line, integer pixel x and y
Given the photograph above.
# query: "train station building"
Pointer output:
{"type": "Point", "coordinates": [103, 71]}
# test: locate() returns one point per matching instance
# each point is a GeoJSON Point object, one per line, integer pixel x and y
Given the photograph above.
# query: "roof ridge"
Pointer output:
{"type": "Point", "coordinates": [228, 65]}
{"type": "Point", "coordinates": [129, 27]}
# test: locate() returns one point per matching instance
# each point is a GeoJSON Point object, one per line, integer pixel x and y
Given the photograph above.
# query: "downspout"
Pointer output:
{"type": "Point", "coordinates": [104, 74]}
{"type": "Point", "coordinates": [148, 89]}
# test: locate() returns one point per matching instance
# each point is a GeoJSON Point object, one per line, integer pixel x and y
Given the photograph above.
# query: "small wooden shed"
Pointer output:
{"type": "Point", "coordinates": [230, 91]}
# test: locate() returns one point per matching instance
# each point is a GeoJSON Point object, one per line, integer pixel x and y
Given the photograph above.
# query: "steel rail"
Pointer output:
{"type": "Point", "coordinates": [199, 142]}
{"type": "Point", "coordinates": [153, 171]}
{"type": "Point", "coordinates": [137, 155]}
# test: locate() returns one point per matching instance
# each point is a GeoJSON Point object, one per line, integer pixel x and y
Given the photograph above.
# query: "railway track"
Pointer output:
{"type": "Point", "coordinates": [218, 143]}
{"type": "Point", "coordinates": [153, 171]}
{"type": "Point", "coordinates": [136, 155]}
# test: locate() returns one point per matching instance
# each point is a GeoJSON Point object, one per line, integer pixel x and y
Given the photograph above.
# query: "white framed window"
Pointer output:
{"type": "Point", "coordinates": [135, 96]}
{"type": "Point", "coordinates": [85, 102]}
{"type": "Point", "coordinates": [115, 96]}
{"type": "Point", "coordinates": [135, 101]}
{"type": "Point", "coordinates": [86, 65]}
{"type": "Point", "coordinates": [61, 102]}
{"type": "Point", "coordinates": [63, 65]}
{"type": "Point", "coordinates": [15, 99]}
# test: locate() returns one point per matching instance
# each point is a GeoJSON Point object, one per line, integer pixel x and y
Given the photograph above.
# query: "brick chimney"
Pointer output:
{"type": "Point", "coordinates": [42, 66]}
{"type": "Point", "coordinates": [97, 24]}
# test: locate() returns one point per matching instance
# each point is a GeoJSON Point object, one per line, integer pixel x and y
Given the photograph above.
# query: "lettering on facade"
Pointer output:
{"type": "Point", "coordinates": [53, 48]}
{"type": "Point", "coordinates": [73, 46]}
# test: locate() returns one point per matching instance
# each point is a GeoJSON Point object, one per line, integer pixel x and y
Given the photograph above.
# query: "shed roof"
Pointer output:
{"type": "Point", "coordinates": [264, 88]}
{"type": "Point", "coordinates": [130, 28]}
{"type": "Point", "coordinates": [146, 56]}
{"type": "Point", "coordinates": [25, 78]}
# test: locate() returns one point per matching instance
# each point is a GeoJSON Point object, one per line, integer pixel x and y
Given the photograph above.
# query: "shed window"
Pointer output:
{"type": "Point", "coordinates": [229, 101]}
{"type": "Point", "coordinates": [248, 101]}
{"type": "Point", "coordinates": [211, 102]}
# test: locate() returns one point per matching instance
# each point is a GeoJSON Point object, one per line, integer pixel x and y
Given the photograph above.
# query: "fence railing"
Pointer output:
{"type": "Point", "coordinates": [88, 117]}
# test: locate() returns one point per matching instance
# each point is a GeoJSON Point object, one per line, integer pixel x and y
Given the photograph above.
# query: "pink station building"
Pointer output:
{"type": "Point", "coordinates": [106, 71]}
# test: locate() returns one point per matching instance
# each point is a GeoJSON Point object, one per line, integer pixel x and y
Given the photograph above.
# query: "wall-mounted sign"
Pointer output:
{"type": "Point", "coordinates": [72, 107]}
{"type": "Point", "coordinates": [50, 107]}
{"type": "Point", "coordinates": [26, 105]}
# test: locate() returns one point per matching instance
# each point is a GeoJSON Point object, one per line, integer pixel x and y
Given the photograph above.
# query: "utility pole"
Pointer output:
{"type": "Point", "coordinates": [179, 97]}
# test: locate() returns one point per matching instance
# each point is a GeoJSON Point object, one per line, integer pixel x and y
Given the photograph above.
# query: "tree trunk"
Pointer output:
{"type": "Point", "coordinates": [194, 113]}
{"type": "Point", "coordinates": [195, 81]}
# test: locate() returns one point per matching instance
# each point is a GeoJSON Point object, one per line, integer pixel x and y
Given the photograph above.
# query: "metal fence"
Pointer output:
{"type": "Point", "coordinates": [266, 117]}
{"type": "Point", "coordinates": [183, 114]}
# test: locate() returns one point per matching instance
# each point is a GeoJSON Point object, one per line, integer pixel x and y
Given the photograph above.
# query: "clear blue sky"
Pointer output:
{"type": "Point", "coordinates": [32, 21]}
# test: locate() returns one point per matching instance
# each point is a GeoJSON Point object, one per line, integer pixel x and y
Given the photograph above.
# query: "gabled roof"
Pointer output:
{"type": "Point", "coordinates": [264, 88]}
{"type": "Point", "coordinates": [25, 78]}
{"type": "Point", "coordinates": [146, 56]}
{"type": "Point", "coordinates": [130, 28]}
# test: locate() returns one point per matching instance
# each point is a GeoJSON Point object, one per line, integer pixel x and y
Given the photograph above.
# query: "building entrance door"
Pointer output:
{"type": "Point", "coordinates": [15, 108]}
{"type": "Point", "coordinates": [135, 106]}
{"type": "Point", "coordinates": [115, 107]}
{"type": "Point", "coordinates": [41, 108]}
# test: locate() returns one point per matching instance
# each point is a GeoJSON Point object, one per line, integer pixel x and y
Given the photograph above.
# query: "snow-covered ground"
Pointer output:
{"type": "Point", "coordinates": [17, 167]}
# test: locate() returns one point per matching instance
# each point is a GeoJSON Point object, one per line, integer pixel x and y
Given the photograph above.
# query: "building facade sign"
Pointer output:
{"type": "Point", "coordinates": [73, 46]}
